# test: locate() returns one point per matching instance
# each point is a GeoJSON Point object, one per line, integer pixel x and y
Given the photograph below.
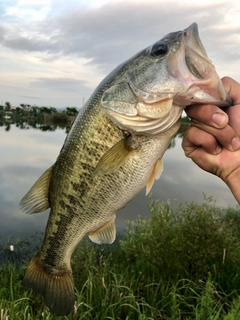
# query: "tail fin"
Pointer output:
{"type": "Point", "coordinates": [57, 289]}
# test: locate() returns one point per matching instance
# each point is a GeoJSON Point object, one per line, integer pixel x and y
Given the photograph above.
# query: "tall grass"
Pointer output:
{"type": "Point", "coordinates": [181, 263]}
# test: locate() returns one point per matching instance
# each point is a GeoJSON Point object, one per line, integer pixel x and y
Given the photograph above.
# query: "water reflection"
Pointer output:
{"type": "Point", "coordinates": [43, 126]}
{"type": "Point", "coordinates": [28, 149]}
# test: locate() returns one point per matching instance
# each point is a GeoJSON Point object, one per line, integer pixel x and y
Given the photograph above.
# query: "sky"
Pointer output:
{"type": "Point", "coordinates": [55, 53]}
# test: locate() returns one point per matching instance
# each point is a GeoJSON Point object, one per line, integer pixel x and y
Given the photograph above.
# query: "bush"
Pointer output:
{"type": "Point", "coordinates": [189, 241]}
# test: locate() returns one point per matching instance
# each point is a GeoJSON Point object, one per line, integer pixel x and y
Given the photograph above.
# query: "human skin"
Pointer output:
{"type": "Point", "coordinates": [213, 142]}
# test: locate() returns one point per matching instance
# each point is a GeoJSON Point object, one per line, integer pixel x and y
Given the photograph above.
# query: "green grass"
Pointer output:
{"type": "Point", "coordinates": [181, 263]}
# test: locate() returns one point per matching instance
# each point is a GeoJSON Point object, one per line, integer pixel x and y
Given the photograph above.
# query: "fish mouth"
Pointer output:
{"type": "Point", "coordinates": [193, 73]}
{"type": "Point", "coordinates": [200, 82]}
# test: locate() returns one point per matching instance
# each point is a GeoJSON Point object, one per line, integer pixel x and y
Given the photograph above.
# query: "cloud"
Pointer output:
{"type": "Point", "coordinates": [58, 84]}
{"type": "Point", "coordinates": [109, 33]}
{"type": "Point", "coordinates": [97, 36]}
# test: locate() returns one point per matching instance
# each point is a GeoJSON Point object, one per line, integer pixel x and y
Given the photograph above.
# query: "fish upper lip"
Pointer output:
{"type": "Point", "coordinates": [192, 33]}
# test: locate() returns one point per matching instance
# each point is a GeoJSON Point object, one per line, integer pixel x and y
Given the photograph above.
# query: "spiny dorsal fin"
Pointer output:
{"type": "Point", "coordinates": [155, 175]}
{"type": "Point", "coordinates": [106, 234]}
{"type": "Point", "coordinates": [36, 200]}
{"type": "Point", "coordinates": [116, 156]}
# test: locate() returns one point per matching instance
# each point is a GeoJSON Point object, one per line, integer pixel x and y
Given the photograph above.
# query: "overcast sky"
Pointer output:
{"type": "Point", "coordinates": [54, 53]}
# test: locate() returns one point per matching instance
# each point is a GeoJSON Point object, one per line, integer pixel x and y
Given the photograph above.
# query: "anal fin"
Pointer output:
{"type": "Point", "coordinates": [155, 175]}
{"type": "Point", "coordinates": [106, 234]}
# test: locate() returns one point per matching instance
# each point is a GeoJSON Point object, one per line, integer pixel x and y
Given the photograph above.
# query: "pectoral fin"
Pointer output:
{"type": "Point", "coordinates": [116, 156]}
{"type": "Point", "coordinates": [155, 175]}
{"type": "Point", "coordinates": [36, 200]}
{"type": "Point", "coordinates": [106, 234]}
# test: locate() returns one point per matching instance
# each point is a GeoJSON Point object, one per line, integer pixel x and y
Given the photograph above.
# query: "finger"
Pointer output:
{"type": "Point", "coordinates": [226, 137]}
{"type": "Point", "coordinates": [234, 118]}
{"type": "Point", "coordinates": [233, 89]}
{"type": "Point", "coordinates": [210, 115]}
{"type": "Point", "coordinates": [196, 139]}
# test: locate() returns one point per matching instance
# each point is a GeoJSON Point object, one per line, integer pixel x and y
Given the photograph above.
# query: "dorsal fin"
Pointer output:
{"type": "Point", "coordinates": [36, 200]}
{"type": "Point", "coordinates": [105, 234]}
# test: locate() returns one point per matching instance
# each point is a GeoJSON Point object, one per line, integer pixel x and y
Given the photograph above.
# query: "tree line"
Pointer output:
{"type": "Point", "coordinates": [25, 109]}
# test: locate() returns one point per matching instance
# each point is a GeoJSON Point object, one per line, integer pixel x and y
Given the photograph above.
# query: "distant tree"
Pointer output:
{"type": "Point", "coordinates": [35, 110]}
{"type": "Point", "coordinates": [53, 110]}
{"type": "Point", "coordinates": [1, 107]}
{"type": "Point", "coordinates": [71, 111]}
{"type": "Point", "coordinates": [7, 106]}
{"type": "Point", "coordinates": [45, 110]}
{"type": "Point", "coordinates": [48, 110]}
{"type": "Point", "coordinates": [19, 110]}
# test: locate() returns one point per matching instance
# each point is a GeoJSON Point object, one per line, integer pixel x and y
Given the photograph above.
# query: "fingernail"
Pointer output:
{"type": "Point", "coordinates": [235, 143]}
{"type": "Point", "coordinates": [219, 118]}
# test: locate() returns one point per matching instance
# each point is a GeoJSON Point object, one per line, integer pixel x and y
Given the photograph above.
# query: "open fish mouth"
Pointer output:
{"type": "Point", "coordinates": [199, 79]}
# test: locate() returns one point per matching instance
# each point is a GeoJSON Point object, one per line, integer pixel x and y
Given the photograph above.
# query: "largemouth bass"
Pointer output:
{"type": "Point", "coordinates": [114, 149]}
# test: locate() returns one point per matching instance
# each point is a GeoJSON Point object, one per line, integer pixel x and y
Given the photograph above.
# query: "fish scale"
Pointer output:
{"type": "Point", "coordinates": [113, 150]}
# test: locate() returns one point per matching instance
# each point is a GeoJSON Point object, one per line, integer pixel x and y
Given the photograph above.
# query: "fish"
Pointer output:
{"type": "Point", "coordinates": [113, 150]}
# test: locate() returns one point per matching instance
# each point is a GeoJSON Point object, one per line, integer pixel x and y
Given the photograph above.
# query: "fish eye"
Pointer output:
{"type": "Point", "coordinates": [159, 49]}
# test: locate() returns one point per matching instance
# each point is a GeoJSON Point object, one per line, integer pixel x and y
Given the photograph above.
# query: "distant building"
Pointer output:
{"type": "Point", "coordinates": [7, 117]}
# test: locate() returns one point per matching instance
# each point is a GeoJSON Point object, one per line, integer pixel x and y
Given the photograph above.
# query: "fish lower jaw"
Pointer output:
{"type": "Point", "coordinates": [142, 125]}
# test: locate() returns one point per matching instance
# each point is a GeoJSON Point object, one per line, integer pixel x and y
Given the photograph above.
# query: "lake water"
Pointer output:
{"type": "Point", "coordinates": [27, 152]}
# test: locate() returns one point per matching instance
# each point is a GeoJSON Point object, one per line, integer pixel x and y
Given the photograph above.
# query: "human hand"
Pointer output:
{"type": "Point", "coordinates": [212, 141]}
